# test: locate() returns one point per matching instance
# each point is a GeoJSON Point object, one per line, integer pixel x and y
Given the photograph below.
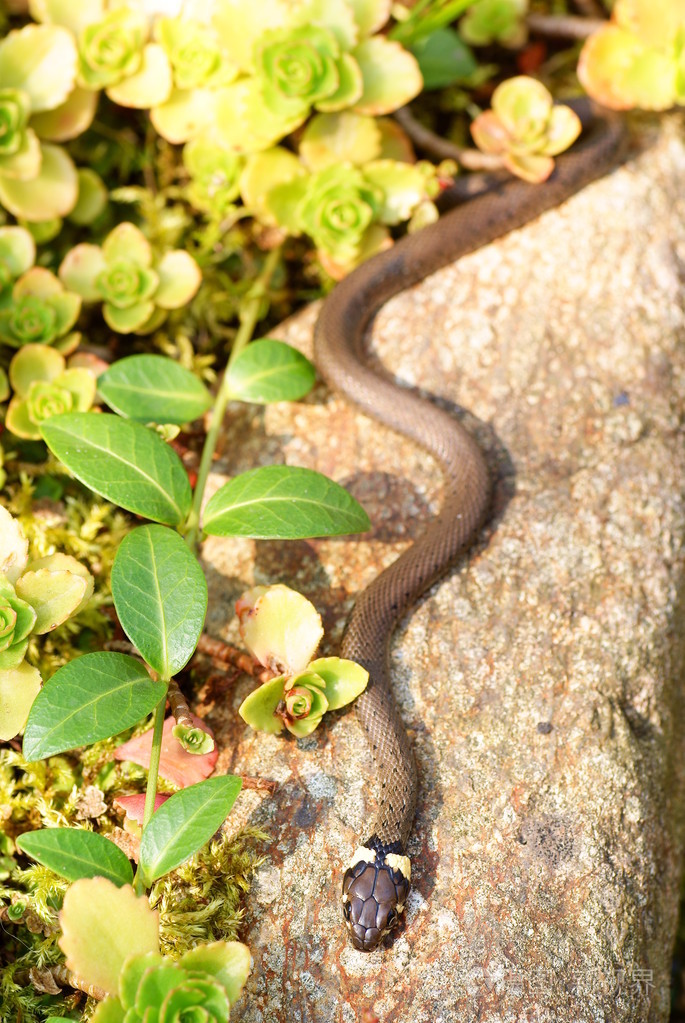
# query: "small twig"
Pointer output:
{"type": "Point", "coordinates": [563, 26]}
{"type": "Point", "coordinates": [224, 656]}
{"type": "Point", "coordinates": [121, 646]}
{"type": "Point", "coordinates": [471, 159]}
{"type": "Point", "coordinates": [65, 978]}
{"type": "Point", "coordinates": [265, 784]}
{"type": "Point", "coordinates": [179, 706]}
{"type": "Point", "coordinates": [50, 468]}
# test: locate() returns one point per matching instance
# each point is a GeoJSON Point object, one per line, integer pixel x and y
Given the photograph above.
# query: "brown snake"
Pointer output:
{"type": "Point", "coordinates": [376, 884]}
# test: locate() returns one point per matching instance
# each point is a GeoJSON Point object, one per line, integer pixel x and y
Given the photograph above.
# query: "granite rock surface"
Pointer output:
{"type": "Point", "coordinates": [541, 681]}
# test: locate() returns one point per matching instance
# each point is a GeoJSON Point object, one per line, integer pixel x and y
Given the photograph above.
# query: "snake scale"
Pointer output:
{"type": "Point", "coordinates": [376, 884]}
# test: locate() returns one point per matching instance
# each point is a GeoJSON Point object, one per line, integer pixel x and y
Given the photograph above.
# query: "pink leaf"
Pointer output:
{"type": "Point", "coordinates": [176, 765]}
{"type": "Point", "coordinates": [135, 805]}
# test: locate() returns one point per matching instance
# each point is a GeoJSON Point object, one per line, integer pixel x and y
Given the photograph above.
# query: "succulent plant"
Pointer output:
{"type": "Point", "coordinates": [525, 128]}
{"type": "Point", "coordinates": [342, 207]}
{"type": "Point", "coordinates": [114, 52]}
{"type": "Point", "coordinates": [282, 630]}
{"type": "Point", "coordinates": [37, 72]}
{"type": "Point", "coordinates": [17, 255]}
{"type": "Point", "coordinates": [638, 60]}
{"type": "Point", "coordinates": [35, 597]}
{"type": "Point", "coordinates": [337, 206]}
{"type": "Point", "coordinates": [214, 173]}
{"type": "Point", "coordinates": [136, 289]}
{"type": "Point", "coordinates": [495, 21]}
{"type": "Point", "coordinates": [43, 387]}
{"type": "Point", "coordinates": [40, 312]}
{"type": "Point", "coordinates": [194, 53]}
{"type": "Point", "coordinates": [17, 619]}
{"type": "Point", "coordinates": [110, 938]}
{"type": "Point", "coordinates": [313, 55]}
{"type": "Point", "coordinates": [111, 48]}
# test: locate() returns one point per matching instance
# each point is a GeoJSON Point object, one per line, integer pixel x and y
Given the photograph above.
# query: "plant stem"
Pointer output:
{"type": "Point", "coordinates": [471, 159]}
{"type": "Point", "coordinates": [563, 26]}
{"type": "Point", "coordinates": [152, 776]}
{"type": "Point", "coordinates": [249, 314]}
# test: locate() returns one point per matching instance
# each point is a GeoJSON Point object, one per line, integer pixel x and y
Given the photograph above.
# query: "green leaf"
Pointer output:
{"type": "Point", "coordinates": [160, 595]}
{"type": "Point", "coordinates": [283, 502]}
{"type": "Point", "coordinates": [123, 461]}
{"type": "Point", "coordinates": [229, 962]}
{"type": "Point", "coordinates": [259, 707]}
{"type": "Point", "coordinates": [154, 389]}
{"type": "Point", "coordinates": [443, 58]}
{"type": "Point", "coordinates": [270, 371]}
{"type": "Point", "coordinates": [184, 823]}
{"type": "Point", "coordinates": [92, 697]}
{"type": "Point", "coordinates": [344, 679]}
{"type": "Point", "coordinates": [75, 853]}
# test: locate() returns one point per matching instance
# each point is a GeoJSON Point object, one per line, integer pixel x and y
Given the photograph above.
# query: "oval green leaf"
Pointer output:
{"type": "Point", "coordinates": [74, 853]}
{"type": "Point", "coordinates": [184, 823]}
{"type": "Point", "coordinates": [268, 371]}
{"type": "Point", "coordinates": [282, 502]}
{"type": "Point", "coordinates": [160, 595]}
{"type": "Point", "coordinates": [123, 461]}
{"type": "Point", "coordinates": [92, 697]}
{"type": "Point", "coordinates": [444, 58]}
{"type": "Point", "coordinates": [345, 680]}
{"type": "Point", "coordinates": [154, 389]}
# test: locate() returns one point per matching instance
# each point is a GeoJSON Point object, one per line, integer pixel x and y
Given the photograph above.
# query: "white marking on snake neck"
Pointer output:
{"type": "Point", "coordinates": [401, 863]}
{"type": "Point", "coordinates": [362, 853]}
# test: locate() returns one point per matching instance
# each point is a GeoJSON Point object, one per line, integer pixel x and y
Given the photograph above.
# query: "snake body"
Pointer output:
{"type": "Point", "coordinates": [376, 885]}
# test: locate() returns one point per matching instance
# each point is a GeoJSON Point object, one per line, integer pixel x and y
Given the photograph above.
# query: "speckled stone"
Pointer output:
{"type": "Point", "coordinates": [540, 681]}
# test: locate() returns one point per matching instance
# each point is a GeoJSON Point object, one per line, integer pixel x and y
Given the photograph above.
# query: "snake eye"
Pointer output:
{"type": "Point", "coordinates": [392, 918]}
{"type": "Point", "coordinates": [347, 910]}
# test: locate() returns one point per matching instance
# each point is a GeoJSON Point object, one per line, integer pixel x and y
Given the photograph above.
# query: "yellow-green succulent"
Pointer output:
{"type": "Point", "coordinates": [134, 286]}
{"type": "Point", "coordinates": [525, 128]}
{"type": "Point", "coordinates": [40, 311]}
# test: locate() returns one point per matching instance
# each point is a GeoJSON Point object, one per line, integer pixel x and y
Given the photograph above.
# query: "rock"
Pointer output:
{"type": "Point", "coordinates": [539, 680]}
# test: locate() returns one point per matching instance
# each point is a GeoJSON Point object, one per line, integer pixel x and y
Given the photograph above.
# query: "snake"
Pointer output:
{"type": "Point", "coordinates": [377, 882]}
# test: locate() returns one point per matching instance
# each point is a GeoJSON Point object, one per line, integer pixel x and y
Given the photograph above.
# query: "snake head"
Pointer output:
{"type": "Point", "coordinates": [375, 889]}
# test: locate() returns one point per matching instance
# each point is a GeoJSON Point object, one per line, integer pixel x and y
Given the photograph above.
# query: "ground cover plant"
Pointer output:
{"type": "Point", "coordinates": [171, 185]}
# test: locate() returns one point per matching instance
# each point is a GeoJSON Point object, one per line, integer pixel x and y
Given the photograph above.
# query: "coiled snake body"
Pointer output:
{"type": "Point", "coordinates": [376, 885]}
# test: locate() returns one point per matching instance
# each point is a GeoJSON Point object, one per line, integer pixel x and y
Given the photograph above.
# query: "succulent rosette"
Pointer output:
{"type": "Point", "coordinates": [111, 48]}
{"type": "Point", "coordinates": [40, 312]}
{"type": "Point", "coordinates": [194, 54]}
{"type": "Point", "coordinates": [17, 255]}
{"type": "Point", "coordinates": [157, 990]}
{"type": "Point", "coordinates": [525, 128]}
{"type": "Point", "coordinates": [345, 209]}
{"type": "Point", "coordinates": [136, 289]}
{"type": "Point", "coordinates": [34, 598]}
{"type": "Point", "coordinates": [19, 149]}
{"type": "Point", "coordinates": [37, 74]}
{"type": "Point", "coordinates": [113, 53]}
{"type": "Point", "coordinates": [637, 59]}
{"type": "Point", "coordinates": [121, 956]}
{"type": "Point", "coordinates": [282, 630]}
{"type": "Point", "coordinates": [313, 55]}
{"type": "Point", "coordinates": [17, 619]}
{"type": "Point", "coordinates": [299, 67]}
{"type": "Point", "coordinates": [338, 205]}
{"type": "Point", "coordinates": [214, 175]}
{"type": "Point", "coordinates": [43, 387]}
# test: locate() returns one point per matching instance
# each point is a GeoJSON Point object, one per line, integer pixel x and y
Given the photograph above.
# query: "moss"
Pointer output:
{"type": "Point", "coordinates": [204, 899]}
